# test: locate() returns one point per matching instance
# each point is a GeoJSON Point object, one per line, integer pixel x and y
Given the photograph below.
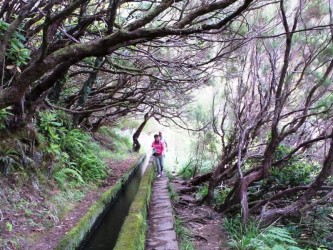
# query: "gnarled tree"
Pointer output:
{"type": "Point", "coordinates": [277, 95]}
{"type": "Point", "coordinates": [61, 34]}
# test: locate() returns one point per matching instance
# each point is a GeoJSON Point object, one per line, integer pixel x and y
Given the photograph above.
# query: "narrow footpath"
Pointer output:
{"type": "Point", "coordinates": [161, 233]}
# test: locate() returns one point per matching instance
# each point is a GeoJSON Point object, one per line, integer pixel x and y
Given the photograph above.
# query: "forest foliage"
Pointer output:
{"type": "Point", "coordinates": [263, 145]}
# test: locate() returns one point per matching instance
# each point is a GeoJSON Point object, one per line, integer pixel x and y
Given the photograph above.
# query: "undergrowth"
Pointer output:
{"type": "Point", "coordinates": [119, 143]}
{"type": "Point", "coordinates": [75, 156]}
{"type": "Point", "coordinates": [251, 237]}
{"type": "Point", "coordinates": [70, 164]}
{"type": "Point", "coordinates": [184, 236]}
{"type": "Point", "coordinates": [4, 114]}
{"type": "Point", "coordinates": [172, 193]}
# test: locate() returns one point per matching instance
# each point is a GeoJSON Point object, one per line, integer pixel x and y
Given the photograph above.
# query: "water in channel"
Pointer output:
{"type": "Point", "coordinates": [106, 234]}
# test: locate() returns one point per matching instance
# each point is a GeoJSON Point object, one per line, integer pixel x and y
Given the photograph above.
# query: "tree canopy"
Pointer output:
{"type": "Point", "coordinates": [148, 54]}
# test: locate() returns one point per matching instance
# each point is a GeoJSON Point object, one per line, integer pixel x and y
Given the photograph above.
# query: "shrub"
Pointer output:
{"type": "Point", "coordinates": [76, 155]}
{"type": "Point", "coordinates": [295, 172]}
{"type": "Point", "coordinates": [202, 192]}
{"type": "Point", "coordinates": [183, 235]}
{"type": "Point", "coordinates": [251, 237]}
{"type": "Point", "coordinates": [4, 114]}
{"type": "Point", "coordinates": [121, 144]}
{"type": "Point", "coordinates": [85, 153]}
{"type": "Point", "coordinates": [16, 52]}
{"type": "Point", "coordinates": [314, 227]}
{"type": "Point", "coordinates": [8, 158]}
{"type": "Point", "coordinates": [220, 195]}
{"type": "Point", "coordinates": [186, 172]}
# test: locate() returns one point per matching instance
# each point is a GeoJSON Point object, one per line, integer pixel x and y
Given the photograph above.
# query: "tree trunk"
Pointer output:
{"type": "Point", "coordinates": [86, 90]}
{"type": "Point", "coordinates": [222, 171]}
{"type": "Point", "coordinates": [96, 125]}
{"type": "Point", "coordinates": [54, 96]}
{"type": "Point", "coordinates": [244, 201]}
{"type": "Point", "coordinates": [213, 182]}
{"type": "Point", "coordinates": [136, 143]}
{"type": "Point", "coordinates": [237, 195]}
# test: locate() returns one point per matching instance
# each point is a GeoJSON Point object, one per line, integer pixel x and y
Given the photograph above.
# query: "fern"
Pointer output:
{"type": "Point", "coordinates": [275, 236]}
{"type": "Point", "coordinates": [279, 247]}
{"type": "Point", "coordinates": [4, 114]}
{"type": "Point", "coordinates": [119, 142]}
{"type": "Point", "coordinates": [8, 158]}
{"type": "Point", "coordinates": [250, 237]}
{"type": "Point", "coordinates": [74, 142]}
{"type": "Point", "coordinates": [68, 174]}
{"type": "Point", "coordinates": [76, 156]}
{"type": "Point", "coordinates": [51, 127]}
{"type": "Point", "coordinates": [293, 248]}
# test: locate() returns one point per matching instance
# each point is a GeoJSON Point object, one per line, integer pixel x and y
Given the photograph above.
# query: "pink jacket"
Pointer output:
{"type": "Point", "coordinates": [158, 146]}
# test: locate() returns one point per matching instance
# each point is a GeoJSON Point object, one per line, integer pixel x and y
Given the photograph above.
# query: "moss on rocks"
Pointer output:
{"type": "Point", "coordinates": [77, 234]}
{"type": "Point", "coordinates": [133, 231]}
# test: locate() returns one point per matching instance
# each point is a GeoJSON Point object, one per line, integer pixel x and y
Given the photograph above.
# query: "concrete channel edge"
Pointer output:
{"type": "Point", "coordinates": [78, 233]}
{"type": "Point", "coordinates": [133, 231]}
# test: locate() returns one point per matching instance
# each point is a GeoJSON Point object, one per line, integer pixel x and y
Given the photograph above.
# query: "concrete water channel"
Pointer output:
{"type": "Point", "coordinates": [106, 230]}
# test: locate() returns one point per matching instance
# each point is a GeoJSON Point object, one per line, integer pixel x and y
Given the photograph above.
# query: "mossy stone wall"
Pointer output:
{"type": "Point", "coordinates": [133, 232]}
{"type": "Point", "coordinates": [77, 234]}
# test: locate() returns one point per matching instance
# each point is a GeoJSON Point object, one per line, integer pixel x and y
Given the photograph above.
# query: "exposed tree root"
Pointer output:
{"type": "Point", "coordinates": [200, 179]}
{"type": "Point", "coordinates": [200, 237]}
{"type": "Point", "coordinates": [187, 189]}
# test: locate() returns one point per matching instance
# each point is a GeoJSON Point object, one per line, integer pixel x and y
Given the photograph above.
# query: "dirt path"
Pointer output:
{"type": "Point", "coordinates": [203, 222]}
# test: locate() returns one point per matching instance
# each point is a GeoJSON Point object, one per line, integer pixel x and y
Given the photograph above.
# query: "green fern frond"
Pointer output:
{"type": "Point", "coordinates": [278, 247]}
{"type": "Point", "coordinates": [276, 234]}
{"type": "Point", "coordinates": [294, 248]}
{"type": "Point", "coordinates": [251, 237]}
{"type": "Point", "coordinates": [4, 114]}
{"type": "Point", "coordinates": [66, 173]}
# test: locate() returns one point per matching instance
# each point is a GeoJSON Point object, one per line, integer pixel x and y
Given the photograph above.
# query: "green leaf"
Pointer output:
{"type": "Point", "coordinates": [21, 37]}
{"type": "Point", "coordinates": [294, 248]}
{"type": "Point", "coordinates": [278, 247]}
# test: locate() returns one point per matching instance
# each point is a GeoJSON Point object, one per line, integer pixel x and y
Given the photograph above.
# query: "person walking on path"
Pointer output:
{"type": "Point", "coordinates": [158, 151]}
{"type": "Point", "coordinates": [164, 143]}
